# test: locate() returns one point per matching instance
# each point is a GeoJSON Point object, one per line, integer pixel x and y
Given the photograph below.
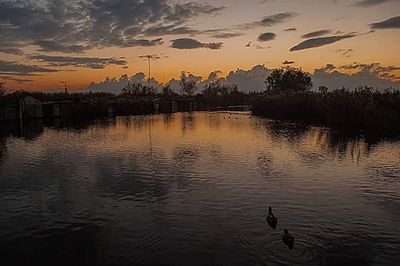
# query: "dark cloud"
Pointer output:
{"type": "Point", "coordinates": [221, 33]}
{"type": "Point", "coordinates": [143, 42]}
{"type": "Point", "coordinates": [268, 36]}
{"type": "Point", "coordinates": [369, 3]}
{"type": "Point", "coordinates": [20, 74]}
{"type": "Point", "coordinates": [321, 41]}
{"type": "Point", "coordinates": [7, 67]}
{"type": "Point", "coordinates": [183, 12]}
{"type": "Point", "coordinates": [213, 46]}
{"type": "Point", "coordinates": [90, 62]}
{"type": "Point", "coordinates": [150, 56]}
{"type": "Point", "coordinates": [286, 62]}
{"type": "Point", "coordinates": [277, 18]}
{"type": "Point", "coordinates": [163, 30]}
{"type": "Point", "coordinates": [391, 23]}
{"type": "Point", "coordinates": [13, 51]}
{"type": "Point", "coordinates": [226, 35]}
{"type": "Point", "coordinates": [269, 21]}
{"type": "Point", "coordinates": [73, 26]}
{"type": "Point", "coordinates": [314, 34]}
{"type": "Point", "coordinates": [374, 68]}
{"type": "Point", "coordinates": [186, 43]}
{"type": "Point", "coordinates": [17, 80]}
{"type": "Point", "coordinates": [116, 16]}
{"type": "Point", "coordinates": [173, 29]}
{"type": "Point", "coordinates": [51, 46]}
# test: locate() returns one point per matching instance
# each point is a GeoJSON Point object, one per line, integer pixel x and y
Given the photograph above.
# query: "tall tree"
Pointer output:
{"type": "Point", "coordinates": [167, 91]}
{"type": "Point", "coordinates": [188, 86]}
{"type": "Point", "coordinates": [288, 80]}
{"type": "Point", "coordinates": [2, 89]}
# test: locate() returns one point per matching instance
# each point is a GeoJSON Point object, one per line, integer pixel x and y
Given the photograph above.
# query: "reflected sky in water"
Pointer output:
{"type": "Point", "coordinates": [193, 189]}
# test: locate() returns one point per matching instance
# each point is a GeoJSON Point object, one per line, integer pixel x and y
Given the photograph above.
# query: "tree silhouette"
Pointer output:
{"type": "Point", "coordinates": [323, 89]}
{"type": "Point", "coordinates": [188, 87]}
{"type": "Point", "coordinates": [2, 89]}
{"type": "Point", "coordinates": [288, 80]}
{"type": "Point", "coordinates": [167, 91]}
{"type": "Point", "coordinates": [135, 89]}
{"type": "Point", "coordinates": [212, 89]}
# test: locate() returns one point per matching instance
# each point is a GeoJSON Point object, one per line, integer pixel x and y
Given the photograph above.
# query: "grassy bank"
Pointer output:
{"type": "Point", "coordinates": [359, 109]}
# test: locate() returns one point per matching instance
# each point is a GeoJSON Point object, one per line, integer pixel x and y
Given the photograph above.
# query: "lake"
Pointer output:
{"type": "Point", "coordinates": [194, 189]}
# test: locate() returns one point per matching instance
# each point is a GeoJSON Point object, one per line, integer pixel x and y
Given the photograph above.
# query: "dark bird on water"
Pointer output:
{"type": "Point", "coordinates": [271, 219]}
{"type": "Point", "coordinates": [288, 239]}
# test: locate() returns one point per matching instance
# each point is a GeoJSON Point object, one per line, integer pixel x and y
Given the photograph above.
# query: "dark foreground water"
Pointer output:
{"type": "Point", "coordinates": [193, 189]}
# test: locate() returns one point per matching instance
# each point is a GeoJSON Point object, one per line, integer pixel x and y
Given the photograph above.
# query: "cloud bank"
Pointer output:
{"type": "Point", "coordinates": [373, 75]}
{"type": "Point", "coordinates": [89, 62]}
{"type": "Point", "coordinates": [13, 68]}
{"type": "Point", "coordinates": [333, 77]}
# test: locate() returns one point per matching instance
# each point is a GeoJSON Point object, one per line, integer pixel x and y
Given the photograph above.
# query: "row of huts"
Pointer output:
{"type": "Point", "coordinates": [29, 107]}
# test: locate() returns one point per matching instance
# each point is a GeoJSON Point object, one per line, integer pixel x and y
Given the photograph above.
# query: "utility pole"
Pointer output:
{"type": "Point", "coordinates": [65, 87]}
{"type": "Point", "coordinates": [148, 79]}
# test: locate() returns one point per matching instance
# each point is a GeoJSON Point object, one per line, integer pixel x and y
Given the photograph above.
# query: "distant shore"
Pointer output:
{"type": "Point", "coordinates": [359, 109]}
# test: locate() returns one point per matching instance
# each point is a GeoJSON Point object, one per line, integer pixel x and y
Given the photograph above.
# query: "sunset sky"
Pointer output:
{"type": "Point", "coordinates": [44, 42]}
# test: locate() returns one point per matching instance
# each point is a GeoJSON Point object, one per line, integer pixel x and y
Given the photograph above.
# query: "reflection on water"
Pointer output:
{"type": "Point", "coordinates": [193, 189]}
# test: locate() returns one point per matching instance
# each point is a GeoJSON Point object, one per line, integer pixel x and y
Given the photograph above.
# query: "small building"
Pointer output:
{"type": "Point", "coordinates": [9, 112]}
{"type": "Point", "coordinates": [26, 108]}
{"type": "Point", "coordinates": [165, 105]}
{"type": "Point", "coordinates": [57, 109]}
{"type": "Point", "coordinates": [189, 104]}
{"type": "Point", "coordinates": [31, 108]}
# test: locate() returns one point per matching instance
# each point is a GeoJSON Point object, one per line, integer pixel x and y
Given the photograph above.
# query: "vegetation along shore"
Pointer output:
{"type": "Point", "coordinates": [289, 95]}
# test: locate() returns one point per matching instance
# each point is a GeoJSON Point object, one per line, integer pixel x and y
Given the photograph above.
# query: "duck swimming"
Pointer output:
{"type": "Point", "coordinates": [271, 219]}
{"type": "Point", "coordinates": [288, 239]}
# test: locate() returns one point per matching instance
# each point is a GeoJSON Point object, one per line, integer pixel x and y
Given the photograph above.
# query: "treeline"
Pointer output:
{"type": "Point", "coordinates": [135, 99]}
{"type": "Point", "coordinates": [212, 95]}
{"type": "Point", "coordinates": [289, 97]}
{"type": "Point", "coordinates": [359, 109]}
{"type": "Point", "coordinates": [15, 96]}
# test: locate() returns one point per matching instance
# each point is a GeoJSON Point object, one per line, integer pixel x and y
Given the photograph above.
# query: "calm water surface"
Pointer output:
{"type": "Point", "coordinates": [193, 189]}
